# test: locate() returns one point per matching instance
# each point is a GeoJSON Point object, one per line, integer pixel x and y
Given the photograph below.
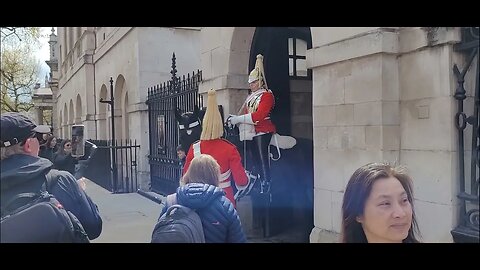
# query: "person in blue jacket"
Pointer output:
{"type": "Point", "coordinates": [199, 191]}
{"type": "Point", "coordinates": [24, 171]}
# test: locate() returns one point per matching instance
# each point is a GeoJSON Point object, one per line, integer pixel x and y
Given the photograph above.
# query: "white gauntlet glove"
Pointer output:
{"type": "Point", "coordinates": [243, 119]}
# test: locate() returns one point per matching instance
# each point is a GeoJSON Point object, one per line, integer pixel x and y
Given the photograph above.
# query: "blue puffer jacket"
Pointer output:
{"type": "Point", "coordinates": [220, 220]}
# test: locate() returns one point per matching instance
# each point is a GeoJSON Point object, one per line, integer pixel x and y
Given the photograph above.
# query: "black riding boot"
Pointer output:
{"type": "Point", "coordinates": [262, 143]}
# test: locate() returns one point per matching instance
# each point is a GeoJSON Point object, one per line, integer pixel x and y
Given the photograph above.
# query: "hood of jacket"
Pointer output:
{"type": "Point", "coordinates": [198, 195]}
{"type": "Point", "coordinates": [18, 169]}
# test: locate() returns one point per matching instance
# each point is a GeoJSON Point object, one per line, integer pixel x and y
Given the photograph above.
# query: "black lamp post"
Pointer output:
{"type": "Point", "coordinates": [114, 158]}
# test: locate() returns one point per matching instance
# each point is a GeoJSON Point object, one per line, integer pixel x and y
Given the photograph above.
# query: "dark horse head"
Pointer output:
{"type": "Point", "coordinates": [190, 125]}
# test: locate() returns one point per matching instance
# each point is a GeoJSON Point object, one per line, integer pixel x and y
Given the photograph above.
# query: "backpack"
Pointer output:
{"type": "Point", "coordinates": [179, 224]}
{"type": "Point", "coordinates": [42, 219]}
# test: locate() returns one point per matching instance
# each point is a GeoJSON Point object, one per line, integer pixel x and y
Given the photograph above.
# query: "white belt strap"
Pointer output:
{"type": "Point", "coordinates": [196, 149]}
{"type": "Point", "coordinates": [225, 179]}
{"type": "Point", "coordinates": [225, 176]}
{"type": "Point", "coordinates": [224, 184]}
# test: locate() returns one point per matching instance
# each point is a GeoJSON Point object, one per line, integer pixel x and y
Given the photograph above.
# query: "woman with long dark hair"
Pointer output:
{"type": "Point", "coordinates": [378, 206]}
{"type": "Point", "coordinates": [63, 158]}
{"type": "Point", "coordinates": [48, 150]}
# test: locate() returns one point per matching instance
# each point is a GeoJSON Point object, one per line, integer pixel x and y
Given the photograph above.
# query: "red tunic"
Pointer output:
{"type": "Point", "coordinates": [228, 157]}
{"type": "Point", "coordinates": [260, 106]}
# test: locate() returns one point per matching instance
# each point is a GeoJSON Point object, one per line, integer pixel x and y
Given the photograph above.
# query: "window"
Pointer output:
{"type": "Point", "coordinates": [297, 58]}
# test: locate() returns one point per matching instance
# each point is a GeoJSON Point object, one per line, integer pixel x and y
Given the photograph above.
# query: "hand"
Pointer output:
{"type": "Point", "coordinates": [81, 182]}
{"type": "Point", "coordinates": [234, 119]}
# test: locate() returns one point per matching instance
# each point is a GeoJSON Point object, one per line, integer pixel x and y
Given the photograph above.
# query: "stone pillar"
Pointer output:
{"type": "Point", "coordinates": [39, 113]}
{"type": "Point", "coordinates": [356, 113]}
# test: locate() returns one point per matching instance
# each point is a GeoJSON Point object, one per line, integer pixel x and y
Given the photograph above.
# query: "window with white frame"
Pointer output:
{"type": "Point", "coordinates": [297, 58]}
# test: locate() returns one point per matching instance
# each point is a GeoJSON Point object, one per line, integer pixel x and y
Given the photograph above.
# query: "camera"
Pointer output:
{"type": "Point", "coordinates": [78, 141]}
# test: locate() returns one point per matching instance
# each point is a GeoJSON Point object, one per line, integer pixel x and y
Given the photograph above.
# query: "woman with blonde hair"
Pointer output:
{"type": "Point", "coordinates": [199, 191]}
{"type": "Point", "coordinates": [223, 151]}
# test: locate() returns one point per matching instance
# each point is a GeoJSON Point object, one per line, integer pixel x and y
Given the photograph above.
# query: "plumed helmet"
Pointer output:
{"type": "Point", "coordinates": [258, 73]}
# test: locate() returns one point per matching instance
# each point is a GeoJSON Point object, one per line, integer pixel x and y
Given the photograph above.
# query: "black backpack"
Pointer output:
{"type": "Point", "coordinates": [42, 219]}
{"type": "Point", "coordinates": [179, 224]}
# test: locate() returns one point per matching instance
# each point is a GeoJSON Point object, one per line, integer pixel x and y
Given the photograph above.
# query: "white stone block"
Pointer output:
{"type": "Point", "coordinates": [327, 89]}
{"type": "Point", "coordinates": [337, 200]}
{"type": "Point", "coordinates": [323, 209]}
{"type": "Point", "coordinates": [426, 73]}
{"type": "Point", "coordinates": [326, 35]}
{"type": "Point", "coordinates": [368, 113]}
{"type": "Point", "coordinates": [365, 82]}
{"type": "Point", "coordinates": [329, 166]}
{"type": "Point", "coordinates": [219, 62]}
{"type": "Point", "coordinates": [320, 136]}
{"type": "Point", "coordinates": [435, 221]}
{"type": "Point", "coordinates": [324, 116]}
{"type": "Point", "coordinates": [434, 174]}
{"type": "Point", "coordinates": [373, 137]}
{"type": "Point", "coordinates": [344, 115]}
{"type": "Point", "coordinates": [434, 133]}
{"type": "Point", "coordinates": [391, 113]}
{"type": "Point", "coordinates": [390, 80]}
{"type": "Point", "coordinates": [391, 138]}
{"type": "Point", "coordinates": [323, 236]}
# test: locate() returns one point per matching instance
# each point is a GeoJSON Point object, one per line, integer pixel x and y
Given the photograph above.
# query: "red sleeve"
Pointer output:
{"type": "Point", "coordinates": [188, 159]}
{"type": "Point", "coordinates": [264, 107]}
{"type": "Point", "coordinates": [238, 172]}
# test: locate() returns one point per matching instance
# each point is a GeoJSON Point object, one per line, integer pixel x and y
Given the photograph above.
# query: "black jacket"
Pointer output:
{"type": "Point", "coordinates": [25, 173]}
{"type": "Point", "coordinates": [65, 162]}
{"type": "Point", "coordinates": [47, 152]}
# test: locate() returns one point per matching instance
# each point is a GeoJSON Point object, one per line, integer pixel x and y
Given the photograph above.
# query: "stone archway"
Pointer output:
{"type": "Point", "coordinates": [293, 98]}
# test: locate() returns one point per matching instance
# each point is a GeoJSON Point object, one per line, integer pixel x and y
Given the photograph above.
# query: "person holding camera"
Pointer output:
{"type": "Point", "coordinates": [63, 158]}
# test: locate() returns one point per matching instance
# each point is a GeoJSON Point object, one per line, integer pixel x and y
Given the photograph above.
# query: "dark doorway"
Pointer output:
{"type": "Point", "coordinates": [273, 44]}
{"type": "Point", "coordinates": [289, 210]}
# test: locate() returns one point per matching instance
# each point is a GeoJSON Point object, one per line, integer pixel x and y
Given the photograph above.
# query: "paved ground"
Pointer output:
{"type": "Point", "coordinates": [130, 218]}
{"type": "Point", "coordinates": [127, 218]}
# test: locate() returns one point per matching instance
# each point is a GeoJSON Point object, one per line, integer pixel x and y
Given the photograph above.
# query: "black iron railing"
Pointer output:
{"type": "Point", "coordinates": [165, 167]}
{"type": "Point", "coordinates": [468, 225]}
{"type": "Point", "coordinates": [100, 168]}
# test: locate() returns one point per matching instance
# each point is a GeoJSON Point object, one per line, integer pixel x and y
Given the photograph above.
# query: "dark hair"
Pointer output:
{"type": "Point", "coordinates": [180, 148]}
{"type": "Point", "coordinates": [49, 140]}
{"type": "Point", "coordinates": [61, 149]}
{"type": "Point", "coordinates": [356, 193]}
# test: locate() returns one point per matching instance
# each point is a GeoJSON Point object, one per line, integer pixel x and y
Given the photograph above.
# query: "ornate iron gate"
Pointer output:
{"type": "Point", "coordinates": [165, 167]}
{"type": "Point", "coordinates": [468, 225]}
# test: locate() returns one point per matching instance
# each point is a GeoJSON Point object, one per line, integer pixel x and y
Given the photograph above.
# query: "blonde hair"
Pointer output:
{"type": "Point", "coordinates": [8, 151]}
{"type": "Point", "coordinates": [212, 126]}
{"type": "Point", "coordinates": [203, 169]}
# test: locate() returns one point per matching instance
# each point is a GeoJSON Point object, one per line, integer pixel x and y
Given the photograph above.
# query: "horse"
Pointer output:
{"type": "Point", "coordinates": [291, 192]}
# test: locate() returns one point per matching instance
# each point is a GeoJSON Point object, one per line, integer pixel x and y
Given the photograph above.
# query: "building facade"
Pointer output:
{"type": "Point", "coordinates": [135, 58]}
{"type": "Point", "coordinates": [377, 94]}
{"type": "Point", "coordinates": [362, 94]}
